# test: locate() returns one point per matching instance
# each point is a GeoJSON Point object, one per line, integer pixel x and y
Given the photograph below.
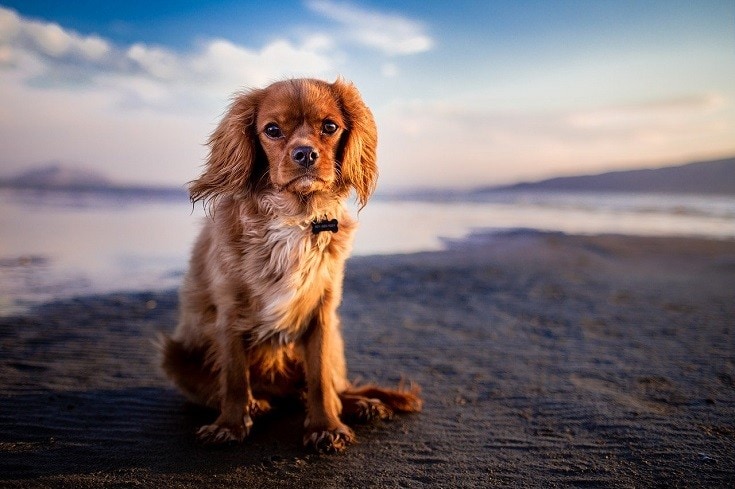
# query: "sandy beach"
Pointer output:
{"type": "Point", "coordinates": [546, 360]}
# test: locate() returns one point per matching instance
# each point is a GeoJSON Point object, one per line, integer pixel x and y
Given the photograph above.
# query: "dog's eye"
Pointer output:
{"type": "Point", "coordinates": [273, 131]}
{"type": "Point", "coordinates": [329, 127]}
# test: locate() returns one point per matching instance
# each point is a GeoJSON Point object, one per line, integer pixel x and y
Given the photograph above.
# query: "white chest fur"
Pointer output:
{"type": "Point", "coordinates": [289, 279]}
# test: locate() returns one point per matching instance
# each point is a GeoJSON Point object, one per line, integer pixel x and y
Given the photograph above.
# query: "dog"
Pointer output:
{"type": "Point", "coordinates": [258, 316]}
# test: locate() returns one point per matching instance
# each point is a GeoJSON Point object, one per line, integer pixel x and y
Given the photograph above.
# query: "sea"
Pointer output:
{"type": "Point", "coordinates": [57, 244]}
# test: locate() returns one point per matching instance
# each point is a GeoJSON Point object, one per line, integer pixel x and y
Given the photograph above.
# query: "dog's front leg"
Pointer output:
{"type": "Point", "coordinates": [234, 421]}
{"type": "Point", "coordinates": [324, 373]}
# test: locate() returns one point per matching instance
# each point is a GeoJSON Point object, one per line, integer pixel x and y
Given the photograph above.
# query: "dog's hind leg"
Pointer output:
{"type": "Point", "coordinates": [189, 370]}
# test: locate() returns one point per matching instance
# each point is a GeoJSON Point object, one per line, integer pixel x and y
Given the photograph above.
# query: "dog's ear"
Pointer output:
{"type": "Point", "coordinates": [236, 161]}
{"type": "Point", "coordinates": [357, 152]}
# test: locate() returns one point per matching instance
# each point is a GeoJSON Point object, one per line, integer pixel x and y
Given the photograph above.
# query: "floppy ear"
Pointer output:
{"type": "Point", "coordinates": [357, 154]}
{"type": "Point", "coordinates": [236, 161]}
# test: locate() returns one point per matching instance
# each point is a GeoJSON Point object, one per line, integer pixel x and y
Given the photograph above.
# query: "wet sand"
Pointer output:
{"type": "Point", "coordinates": [545, 360]}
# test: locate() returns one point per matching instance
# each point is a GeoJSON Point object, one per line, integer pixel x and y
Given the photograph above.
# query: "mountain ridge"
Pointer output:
{"type": "Point", "coordinates": [699, 177]}
{"type": "Point", "coordinates": [55, 176]}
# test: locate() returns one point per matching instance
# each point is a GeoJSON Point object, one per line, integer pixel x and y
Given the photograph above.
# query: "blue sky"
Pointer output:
{"type": "Point", "coordinates": [465, 92]}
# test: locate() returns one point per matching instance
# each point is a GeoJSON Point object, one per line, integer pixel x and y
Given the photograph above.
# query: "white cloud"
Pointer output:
{"type": "Point", "coordinates": [9, 24]}
{"type": "Point", "coordinates": [157, 62]}
{"type": "Point", "coordinates": [49, 39]}
{"type": "Point", "coordinates": [214, 68]}
{"type": "Point", "coordinates": [391, 34]}
{"type": "Point", "coordinates": [223, 63]}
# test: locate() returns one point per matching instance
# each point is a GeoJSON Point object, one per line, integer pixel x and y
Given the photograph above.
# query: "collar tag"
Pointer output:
{"type": "Point", "coordinates": [325, 225]}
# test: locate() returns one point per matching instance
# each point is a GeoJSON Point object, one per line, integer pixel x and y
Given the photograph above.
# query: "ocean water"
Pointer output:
{"type": "Point", "coordinates": [56, 244]}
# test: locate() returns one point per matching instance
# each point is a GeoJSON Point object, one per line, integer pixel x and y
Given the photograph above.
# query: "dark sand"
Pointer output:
{"type": "Point", "coordinates": [545, 360]}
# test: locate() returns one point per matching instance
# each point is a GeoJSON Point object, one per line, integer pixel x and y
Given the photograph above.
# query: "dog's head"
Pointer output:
{"type": "Point", "coordinates": [301, 136]}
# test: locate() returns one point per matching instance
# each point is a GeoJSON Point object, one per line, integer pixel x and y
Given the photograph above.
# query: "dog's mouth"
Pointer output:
{"type": "Point", "coordinates": [304, 184]}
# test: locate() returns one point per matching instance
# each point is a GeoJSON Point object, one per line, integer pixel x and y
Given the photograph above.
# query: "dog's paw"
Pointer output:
{"type": "Point", "coordinates": [258, 408]}
{"type": "Point", "coordinates": [365, 410]}
{"type": "Point", "coordinates": [329, 441]}
{"type": "Point", "coordinates": [219, 433]}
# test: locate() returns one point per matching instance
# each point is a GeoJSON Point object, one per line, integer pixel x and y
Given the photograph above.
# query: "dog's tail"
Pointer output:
{"type": "Point", "coordinates": [190, 370]}
{"type": "Point", "coordinates": [401, 400]}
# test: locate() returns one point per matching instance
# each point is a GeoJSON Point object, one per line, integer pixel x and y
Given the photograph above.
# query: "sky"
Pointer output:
{"type": "Point", "coordinates": [465, 93]}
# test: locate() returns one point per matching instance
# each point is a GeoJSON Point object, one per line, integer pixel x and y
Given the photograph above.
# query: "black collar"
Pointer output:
{"type": "Point", "coordinates": [324, 225]}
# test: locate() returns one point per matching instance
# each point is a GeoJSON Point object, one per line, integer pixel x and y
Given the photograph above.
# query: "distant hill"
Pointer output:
{"type": "Point", "coordinates": [704, 177]}
{"type": "Point", "coordinates": [58, 177]}
{"type": "Point", "coordinates": [55, 176]}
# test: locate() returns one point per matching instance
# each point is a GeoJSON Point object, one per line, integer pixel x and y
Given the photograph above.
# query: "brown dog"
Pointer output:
{"type": "Point", "coordinates": [258, 314]}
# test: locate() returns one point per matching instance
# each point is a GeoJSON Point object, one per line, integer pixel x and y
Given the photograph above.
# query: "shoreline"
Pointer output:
{"type": "Point", "coordinates": [545, 359]}
{"type": "Point", "coordinates": [33, 268]}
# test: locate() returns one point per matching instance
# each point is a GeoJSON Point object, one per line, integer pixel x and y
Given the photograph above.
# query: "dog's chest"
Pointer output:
{"type": "Point", "coordinates": [296, 271]}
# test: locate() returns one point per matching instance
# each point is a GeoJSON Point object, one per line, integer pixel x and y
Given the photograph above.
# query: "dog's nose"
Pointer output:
{"type": "Point", "coordinates": [304, 156]}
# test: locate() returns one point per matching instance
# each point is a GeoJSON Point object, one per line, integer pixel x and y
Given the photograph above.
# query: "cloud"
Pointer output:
{"type": "Point", "coordinates": [159, 63]}
{"type": "Point", "coordinates": [47, 55]}
{"type": "Point", "coordinates": [221, 62]}
{"type": "Point", "coordinates": [49, 39]}
{"type": "Point", "coordinates": [390, 34]}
